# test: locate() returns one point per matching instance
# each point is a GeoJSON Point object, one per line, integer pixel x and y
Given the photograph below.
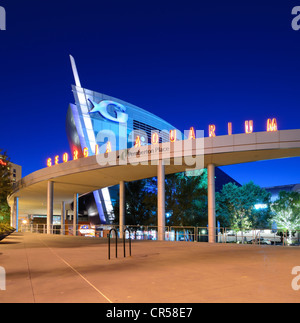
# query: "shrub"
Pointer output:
{"type": "Point", "coordinates": [5, 228]}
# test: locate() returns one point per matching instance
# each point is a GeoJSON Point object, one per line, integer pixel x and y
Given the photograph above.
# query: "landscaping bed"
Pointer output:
{"type": "Point", "coordinates": [5, 230]}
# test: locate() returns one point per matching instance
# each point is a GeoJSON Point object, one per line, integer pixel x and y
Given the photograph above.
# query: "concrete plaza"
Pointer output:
{"type": "Point", "coordinates": [64, 269]}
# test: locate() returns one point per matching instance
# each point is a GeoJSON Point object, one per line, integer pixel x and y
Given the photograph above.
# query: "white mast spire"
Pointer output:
{"type": "Point", "coordinates": [75, 72]}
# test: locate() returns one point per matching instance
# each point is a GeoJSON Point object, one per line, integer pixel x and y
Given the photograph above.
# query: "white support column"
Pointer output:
{"type": "Point", "coordinates": [121, 208]}
{"type": "Point", "coordinates": [161, 219]}
{"type": "Point", "coordinates": [12, 217]}
{"type": "Point", "coordinates": [15, 214]}
{"type": "Point", "coordinates": [211, 203]}
{"type": "Point", "coordinates": [50, 207]}
{"type": "Point", "coordinates": [63, 217]}
{"type": "Point", "coordinates": [75, 214]}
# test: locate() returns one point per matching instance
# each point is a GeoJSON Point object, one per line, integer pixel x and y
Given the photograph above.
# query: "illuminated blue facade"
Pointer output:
{"type": "Point", "coordinates": [96, 118]}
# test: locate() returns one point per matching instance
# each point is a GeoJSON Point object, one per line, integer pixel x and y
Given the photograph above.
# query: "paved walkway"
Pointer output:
{"type": "Point", "coordinates": [62, 269]}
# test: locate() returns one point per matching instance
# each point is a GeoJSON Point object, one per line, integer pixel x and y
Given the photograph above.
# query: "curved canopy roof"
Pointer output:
{"type": "Point", "coordinates": [91, 173]}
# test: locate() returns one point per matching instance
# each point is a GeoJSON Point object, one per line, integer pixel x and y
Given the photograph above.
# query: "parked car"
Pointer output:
{"type": "Point", "coordinates": [262, 241]}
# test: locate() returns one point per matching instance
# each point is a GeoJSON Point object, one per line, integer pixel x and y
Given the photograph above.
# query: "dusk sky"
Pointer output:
{"type": "Point", "coordinates": [193, 63]}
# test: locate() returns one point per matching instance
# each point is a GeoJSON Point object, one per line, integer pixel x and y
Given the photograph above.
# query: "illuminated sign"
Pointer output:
{"type": "Point", "coordinates": [260, 206]}
{"type": "Point", "coordinates": [212, 130]}
{"type": "Point", "coordinates": [65, 157]}
{"type": "Point", "coordinates": [154, 138]}
{"type": "Point", "coordinates": [75, 154]}
{"type": "Point", "coordinates": [86, 231]}
{"type": "Point", "coordinates": [137, 142]}
{"type": "Point", "coordinates": [249, 126]}
{"type": "Point", "coordinates": [192, 133]}
{"type": "Point", "coordinates": [85, 152]}
{"type": "Point", "coordinates": [229, 126]}
{"type": "Point", "coordinates": [272, 125]}
{"type": "Point", "coordinates": [108, 147]}
{"type": "Point", "coordinates": [118, 109]}
{"type": "Point", "coordinates": [173, 135]}
{"type": "Point", "coordinates": [3, 163]}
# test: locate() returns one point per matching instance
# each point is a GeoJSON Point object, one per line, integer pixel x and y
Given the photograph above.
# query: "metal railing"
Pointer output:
{"type": "Point", "coordinates": [116, 238]}
{"type": "Point", "coordinates": [174, 233]}
{"type": "Point", "coordinates": [124, 242]}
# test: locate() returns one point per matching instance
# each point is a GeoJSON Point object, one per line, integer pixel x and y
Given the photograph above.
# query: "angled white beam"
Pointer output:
{"type": "Point", "coordinates": [75, 72]}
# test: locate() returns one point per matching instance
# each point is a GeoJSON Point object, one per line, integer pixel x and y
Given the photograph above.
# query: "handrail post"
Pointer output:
{"type": "Point", "coordinates": [124, 247]}
{"type": "Point", "coordinates": [109, 246]}
{"type": "Point", "coordinates": [109, 242]}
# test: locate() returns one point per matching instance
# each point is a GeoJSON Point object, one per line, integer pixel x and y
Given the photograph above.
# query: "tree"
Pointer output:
{"type": "Point", "coordinates": [186, 199]}
{"type": "Point", "coordinates": [235, 206]}
{"type": "Point", "coordinates": [286, 211]}
{"type": "Point", "coordinates": [5, 186]}
{"type": "Point", "coordinates": [4, 212]}
{"type": "Point", "coordinates": [138, 207]}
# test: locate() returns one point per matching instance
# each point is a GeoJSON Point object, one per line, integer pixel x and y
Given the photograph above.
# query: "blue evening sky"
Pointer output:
{"type": "Point", "coordinates": [190, 62]}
